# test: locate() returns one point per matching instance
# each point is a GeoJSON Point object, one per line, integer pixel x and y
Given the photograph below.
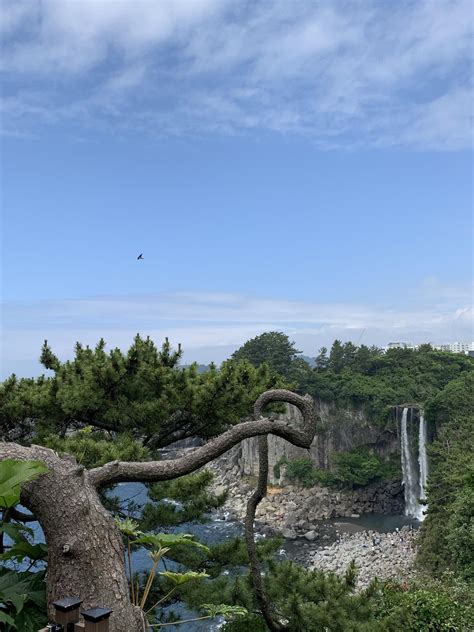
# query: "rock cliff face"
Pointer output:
{"type": "Point", "coordinates": [338, 430]}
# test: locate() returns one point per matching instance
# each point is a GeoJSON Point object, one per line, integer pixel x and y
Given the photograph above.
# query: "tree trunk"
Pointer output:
{"type": "Point", "coordinates": [85, 548]}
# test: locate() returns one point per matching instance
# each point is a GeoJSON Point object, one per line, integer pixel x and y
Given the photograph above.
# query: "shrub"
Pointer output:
{"type": "Point", "coordinates": [358, 467]}
{"type": "Point", "coordinates": [352, 469]}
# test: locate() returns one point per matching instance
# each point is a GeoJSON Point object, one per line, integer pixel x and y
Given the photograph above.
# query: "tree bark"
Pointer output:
{"type": "Point", "coordinates": [85, 548]}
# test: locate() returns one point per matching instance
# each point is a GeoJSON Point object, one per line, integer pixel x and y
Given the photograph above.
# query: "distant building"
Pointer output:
{"type": "Point", "coordinates": [457, 347]}
{"type": "Point", "coordinates": [400, 345]}
{"type": "Point", "coordinates": [467, 348]}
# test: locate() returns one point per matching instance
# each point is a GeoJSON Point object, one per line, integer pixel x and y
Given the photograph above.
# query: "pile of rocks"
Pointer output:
{"type": "Point", "coordinates": [382, 555]}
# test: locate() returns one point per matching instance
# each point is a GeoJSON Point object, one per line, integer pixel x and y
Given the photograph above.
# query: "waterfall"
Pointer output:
{"type": "Point", "coordinates": [409, 480]}
{"type": "Point", "coordinates": [422, 461]}
{"type": "Point", "coordinates": [414, 478]}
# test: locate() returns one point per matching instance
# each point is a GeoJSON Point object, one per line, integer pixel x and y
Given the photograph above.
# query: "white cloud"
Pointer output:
{"type": "Point", "coordinates": [212, 325]}
{"type": "Point", "coordinates": [344, 74]}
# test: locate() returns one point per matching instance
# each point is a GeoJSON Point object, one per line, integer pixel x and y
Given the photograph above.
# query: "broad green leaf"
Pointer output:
{"type": "Point", "coordinates": [159, 540]}
{"type": "Point", "coordinates": [6, 618]}
{"type": "Point", "coordinates": [14, 531]}
{"type": "Point", "coordinates": [31, 619]}
{"type": "Point", "coordinates": [13, 474]}
{"type": "Point", "coordinates": [23, 549]}
{"type": "Point", "coordinates": [18, 588]}
{"type": "Point", "coordinates": [183, 578]}
{"type": "Point", "coordinates": [128, 527]}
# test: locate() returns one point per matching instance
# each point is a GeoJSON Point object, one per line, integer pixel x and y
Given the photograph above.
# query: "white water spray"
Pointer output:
{"type": "Point", "coordinates": [423, 463]}
{"type": "Point", "coordinates": [407, 469]}
{"type": "Point", "coordinates": [414, 479]}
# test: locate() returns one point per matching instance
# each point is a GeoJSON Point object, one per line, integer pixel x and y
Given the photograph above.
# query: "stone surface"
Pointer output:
{"type": "Point", "coordinates": [338, 429]}
{"type": "Point", "coordinates": [297, 508]}
{"type": "Point", "coordinates": [381, 555]}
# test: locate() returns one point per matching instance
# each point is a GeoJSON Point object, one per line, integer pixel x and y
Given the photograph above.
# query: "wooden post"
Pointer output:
{"type": "Point", "coordinates": [67, 612]}
{"type": "Point", "coordinates": [96, 619]}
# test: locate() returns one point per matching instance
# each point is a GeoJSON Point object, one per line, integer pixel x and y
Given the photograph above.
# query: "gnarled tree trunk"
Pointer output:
{"type": "Point", "coordinates": [85, 548]}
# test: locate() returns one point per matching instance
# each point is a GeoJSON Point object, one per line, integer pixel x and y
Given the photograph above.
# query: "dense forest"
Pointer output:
{"type": "Point", "coordinates": [105, 406]}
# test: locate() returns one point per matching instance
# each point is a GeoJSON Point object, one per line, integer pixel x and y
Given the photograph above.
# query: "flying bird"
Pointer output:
{"type": "Point", "coordinates": [140, 256]}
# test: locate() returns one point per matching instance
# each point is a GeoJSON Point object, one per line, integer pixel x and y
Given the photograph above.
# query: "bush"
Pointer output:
{"type": "Point", "coordinates": [358, 468]}
{"type": "Point", "coordinates": [352, 469]}
{"type": "Point", "coordinates": [441, 606]}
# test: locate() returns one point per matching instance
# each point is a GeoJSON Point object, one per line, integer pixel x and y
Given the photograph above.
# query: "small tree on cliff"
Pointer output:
{"type": "Point", "coordinates": [85, 551]}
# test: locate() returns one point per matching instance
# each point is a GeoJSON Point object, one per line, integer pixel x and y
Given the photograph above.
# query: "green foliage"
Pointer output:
{"type": "Point", "coordinates": [168, 540]}
{"type": "Point", "coordinates": [377, 381]}
{"type": "Point", "coordinates": [22, 548]}
{"type": "Point", "coordinates": [159, 546]}
{"type": "Point", "coordinates": [302, 471]}
{"type": "Point", "coordinates": [22, 601]}
{"type": "Point", "coordinates": [22, 595]}
{"type": "Point", "coordinates": [312, 601]}
{"type": "Point", "coordinates": [144, 392]}
{"type": "Point", "coordinates": [355, 468]}
{"type": "Point", "coordinates": [460, 532]}
{"type": "Point", "coordinates": [447, 535]}
{"type": "Point", "coordinates": [359, 467]}
{"type": "Point", "coordinates": [272, 348]}
{"type": "Point", "coordinates": [178, 579]}
{"type": "Point", "coordinates": [13, 474]}
{"type": "Point", "coordinates": [229, 612]}
{"type": "Point", "coordinates": [454, 401]}
{"type": "Point", "coordinates": [428, 605]}
{"type": "Point", "coordinates": [308, 600]}
{"type": "Point", "coordinates": [190, 499]}
{"type": "Point", "coordinates": [95, 448]}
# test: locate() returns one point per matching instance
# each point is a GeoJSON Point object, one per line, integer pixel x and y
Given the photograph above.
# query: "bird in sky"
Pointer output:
{"type": "Point", "coordinates": [140, 256]}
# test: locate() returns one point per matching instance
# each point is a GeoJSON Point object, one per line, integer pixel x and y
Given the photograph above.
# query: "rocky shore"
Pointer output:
{"type": "Point", "coordinates": [381, 555]}
{"type": "Point", "coordinates": [307, 519]}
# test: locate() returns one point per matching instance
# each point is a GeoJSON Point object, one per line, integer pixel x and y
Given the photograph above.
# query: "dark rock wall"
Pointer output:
{"type": "Point", "coordinates": [338, 430]}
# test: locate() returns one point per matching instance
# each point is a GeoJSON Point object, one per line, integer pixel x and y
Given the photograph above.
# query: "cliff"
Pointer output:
{"type": "Point", "coordinates": [338, 430]}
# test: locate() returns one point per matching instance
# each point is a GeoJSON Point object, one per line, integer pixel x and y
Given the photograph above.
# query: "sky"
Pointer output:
{"type": "Point", "coordinates": [304, 167]}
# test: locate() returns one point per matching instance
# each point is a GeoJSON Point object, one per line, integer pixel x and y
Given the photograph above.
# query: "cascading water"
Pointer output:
{"type": "Point", "coordinates": [414, 479]}
{"type": "Point", "coordinates": [409, 479]}
{"type": "Point", "coordinates": [423, 463]}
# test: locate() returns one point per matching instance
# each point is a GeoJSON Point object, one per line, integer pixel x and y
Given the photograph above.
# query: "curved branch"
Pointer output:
{"type": "Point", "coordinates": [153, 471]}
{"type": "Point", "coordinates": [307, 409]}
{"type": "Point", "coordinates": [255, 568]}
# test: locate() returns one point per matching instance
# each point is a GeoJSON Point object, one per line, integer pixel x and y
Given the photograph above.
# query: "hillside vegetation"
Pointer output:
{"type": "Point", "coordinates": [125, 405]}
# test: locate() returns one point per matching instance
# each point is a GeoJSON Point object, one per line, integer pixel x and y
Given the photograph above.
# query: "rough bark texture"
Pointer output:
{"type": "Point", "coordinates": [85, 549]}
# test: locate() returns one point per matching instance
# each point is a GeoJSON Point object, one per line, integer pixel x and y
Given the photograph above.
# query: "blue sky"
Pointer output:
{"type": "Point", "coordinates": [305, 167]}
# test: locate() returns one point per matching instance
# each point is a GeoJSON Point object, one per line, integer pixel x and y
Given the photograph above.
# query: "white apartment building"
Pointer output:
{"type": "Point", "coordinates": [452, 347]}
{"type": "Point", "coordinates": [457, 347]}
{"type": "Point", "coordinates": [400, 345]}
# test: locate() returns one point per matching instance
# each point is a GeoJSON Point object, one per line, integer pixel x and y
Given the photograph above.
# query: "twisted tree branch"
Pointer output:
{"type": "Point", "coordinates": [153, 471]}
{"type": "Point", "coordinates": [306, 406]}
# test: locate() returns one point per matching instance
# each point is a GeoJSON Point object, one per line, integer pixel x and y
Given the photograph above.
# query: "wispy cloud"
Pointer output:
{"type": "Point", "coordinates": [212, 325]}
{"type": "Point", "coordinates": [344, 74]}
